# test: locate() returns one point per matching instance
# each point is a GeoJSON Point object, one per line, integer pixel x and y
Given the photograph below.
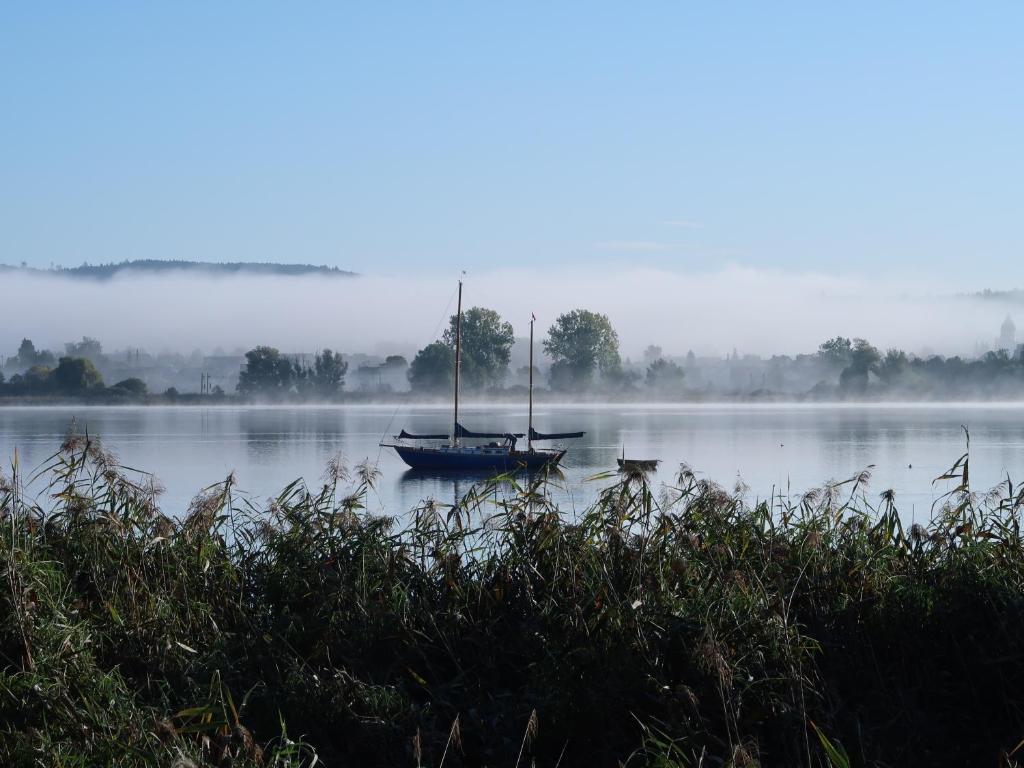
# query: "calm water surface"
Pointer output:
{"type": "Point", "coordinates": [769, 447]}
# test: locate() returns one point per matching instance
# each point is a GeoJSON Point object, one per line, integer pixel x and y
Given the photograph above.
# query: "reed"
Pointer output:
{"type": "Point", "coordinates": [678, 626]}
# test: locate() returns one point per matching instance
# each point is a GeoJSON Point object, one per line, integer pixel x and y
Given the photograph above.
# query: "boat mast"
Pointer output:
{"type": "Point", "coordinates": [458, 365]}
{"type": "Point", "coordinates": [529, 431]}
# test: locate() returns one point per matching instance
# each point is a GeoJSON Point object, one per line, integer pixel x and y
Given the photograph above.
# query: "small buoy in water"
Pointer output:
{"type": "Point", "coordinates": [910, 466]}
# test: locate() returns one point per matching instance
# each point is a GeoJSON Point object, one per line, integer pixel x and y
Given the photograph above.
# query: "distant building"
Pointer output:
{"type": "Point", "coordinates": [1007, 336]}
{"type": "Point", "coordinates": [376, 376]}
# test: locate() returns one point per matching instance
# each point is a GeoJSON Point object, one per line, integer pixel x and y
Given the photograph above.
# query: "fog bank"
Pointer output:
{"type": "Point", "coordinates": [752, 310]}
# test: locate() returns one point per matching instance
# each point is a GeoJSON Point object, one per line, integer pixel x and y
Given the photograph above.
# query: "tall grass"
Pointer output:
{"type": "Point", "coordinates": [667, 627]}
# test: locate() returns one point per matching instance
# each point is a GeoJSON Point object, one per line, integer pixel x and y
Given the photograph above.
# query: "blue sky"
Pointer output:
{"type": "Point", "coordinates": [867, 140]}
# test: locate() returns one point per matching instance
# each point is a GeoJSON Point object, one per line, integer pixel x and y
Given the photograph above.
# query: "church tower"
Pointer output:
{"type": "Point", "coordinates": [1007, 336]}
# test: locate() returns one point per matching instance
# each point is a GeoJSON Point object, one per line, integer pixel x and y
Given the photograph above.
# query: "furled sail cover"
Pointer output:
{"type": "Point", "coordinates": [461, 431]}
{"type": "Point", "coordinates": [535, 435]}
{"type": "Point", "coordinates": [403, 435]}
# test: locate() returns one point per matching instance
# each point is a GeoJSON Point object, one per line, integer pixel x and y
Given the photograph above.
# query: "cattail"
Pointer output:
{"type": "Point", "coordinates": [336, 471]}
{"type": "Point", "coordinates": [528, 737]}
{"type": "Point", "coordinates": [417, 748]}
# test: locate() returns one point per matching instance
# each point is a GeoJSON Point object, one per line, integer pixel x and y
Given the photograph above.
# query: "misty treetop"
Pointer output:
{"type": "Point", "coordinates": [580, 342]}
{"type": "Point", "coordinates": [270, 375]}
{"type": "Point", "coordinates": [835, 351]}
{"type": "Point", "coordinates": [73, 376]}
{"type": "Point", "coordinates": [486, 347]}
{"type": "Point", "coordinates": [433, 369]}
{"type": "Point", "coordinates": [266, 372]}
{"type": "Point", "coordinates": [28, 356]}
{"type": "Point", "coordinates": [133, 386]}
{"type": "Point", "coordinates": [665, 377]}
{"type": "Point", "coordinates": [327, 376]}
{"type": "Point", "coordinates": [855, 360]}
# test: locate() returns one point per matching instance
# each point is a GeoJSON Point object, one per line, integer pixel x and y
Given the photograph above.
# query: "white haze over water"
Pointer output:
{"type": "Point", "coordinates": [752, 310]}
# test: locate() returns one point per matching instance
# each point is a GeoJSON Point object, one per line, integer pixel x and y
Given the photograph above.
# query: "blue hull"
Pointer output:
{"type": "Point", "coordinates": [476, 460]}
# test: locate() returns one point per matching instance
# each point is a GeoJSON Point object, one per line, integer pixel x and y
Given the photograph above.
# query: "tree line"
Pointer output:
{"type": "Point", "coordinates": [67, 376]}
{"type": "Point", "coordinates": [582, 345]}
{"type": "Point", "coordinates": [270, 375]}
{"type": "Point", "coordinates": [862, 369]}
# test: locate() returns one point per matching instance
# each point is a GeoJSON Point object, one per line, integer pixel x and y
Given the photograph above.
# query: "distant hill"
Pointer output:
{"type": "Point", "coordinates": [153, 266]}
{"type": "Point", "coordinates": [1014, 295]}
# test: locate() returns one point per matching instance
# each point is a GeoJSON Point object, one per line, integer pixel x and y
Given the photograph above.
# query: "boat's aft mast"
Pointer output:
{"type": "Point", "coordinates": [458, 365]}
{"type": "Point", "coordinates": [529, 430]}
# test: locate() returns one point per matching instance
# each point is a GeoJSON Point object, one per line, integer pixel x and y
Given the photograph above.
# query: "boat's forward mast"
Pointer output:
{"type": "Point", "coordinates": [529, 432]}
{"type": "Point", "coordinates": [458, 364]}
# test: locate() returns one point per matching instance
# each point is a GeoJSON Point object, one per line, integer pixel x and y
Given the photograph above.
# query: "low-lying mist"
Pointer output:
{"type": "Point", "coordinates": [754, 311]}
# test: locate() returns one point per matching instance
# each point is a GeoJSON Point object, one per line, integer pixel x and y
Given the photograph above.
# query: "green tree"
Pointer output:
{"type": "Point", "coordinates": [75, 375]}
{"type": "Point", "coordinates": [433, 368]}
{"type": "Point", "coordinates": [620, 379]}
{"type": "Point", "coordinates": [665, 376]}
{"type": "Point", "coordinates": [133, 386]}
{"type": "Point", "coordinates": [581, 342]}
{"type": "Point", "coordinates": [486, 346]}
{"type": "Point", "coordinates": [328, 373]}
{"type": "Point", "coordinates": [266, 373]}
{"type": "Point", "coordinates": [27, 355]}
{"type": "Point", "coordinates": [835, 351]}
{"type": "Point", "coordinates": [864, 356]}
{"type": "Point", "coordinates": [864, 359]}
{"type": "Point", "coordinates": [37, 379]}
{"type": "Point", "coordinates": [893, 365]}
{"type": "Point", "coordinates": [301, 379]}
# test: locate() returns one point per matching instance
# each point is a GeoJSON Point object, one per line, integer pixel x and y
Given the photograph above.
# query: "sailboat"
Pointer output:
{"type": "Point", "coordinates": [498, 455]}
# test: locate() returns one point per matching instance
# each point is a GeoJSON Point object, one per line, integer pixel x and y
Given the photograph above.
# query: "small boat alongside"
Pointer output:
{"type": "Point", "coordinates": [501, 454]}
{"type": "Point", "coordinates": [637, 465]}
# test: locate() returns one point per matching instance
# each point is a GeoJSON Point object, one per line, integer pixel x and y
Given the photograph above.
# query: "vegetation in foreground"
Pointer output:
{"type": "Point", "coordinates": [672, 628]}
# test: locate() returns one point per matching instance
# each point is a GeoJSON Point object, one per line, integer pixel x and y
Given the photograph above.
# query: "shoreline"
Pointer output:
{"type": "Point", "coordinates": [61, 403]}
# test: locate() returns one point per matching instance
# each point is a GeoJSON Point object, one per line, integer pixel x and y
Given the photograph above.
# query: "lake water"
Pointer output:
{"type": "Point", "coordinates": [771, 447]}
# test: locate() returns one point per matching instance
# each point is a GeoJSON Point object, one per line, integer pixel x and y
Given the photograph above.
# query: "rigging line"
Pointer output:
{"type": "Point", "coordinates": [404, 399]}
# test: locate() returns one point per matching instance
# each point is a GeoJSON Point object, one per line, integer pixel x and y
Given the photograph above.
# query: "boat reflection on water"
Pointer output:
{"type": "Point", "coordinates": [452, 487]}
